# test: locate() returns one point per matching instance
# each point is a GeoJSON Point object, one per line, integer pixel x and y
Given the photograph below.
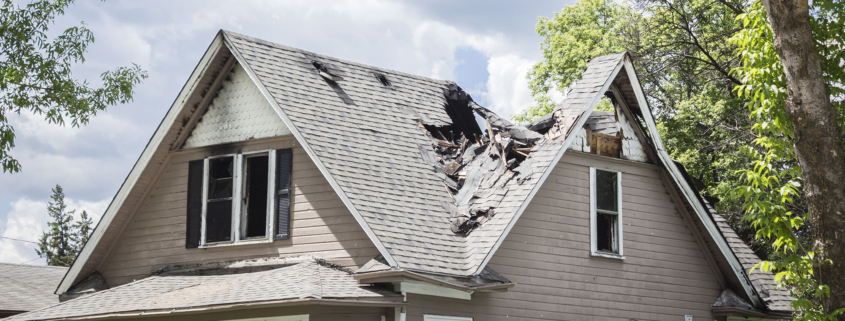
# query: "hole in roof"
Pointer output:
{"type": "Point", "coordinates": [318, 65]}
{"type": "Point", "coordinates": [383, 79]}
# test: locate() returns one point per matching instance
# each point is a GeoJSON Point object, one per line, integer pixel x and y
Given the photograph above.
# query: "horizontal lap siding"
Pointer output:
{"type": "Point", "coordinates": [547, 253]}
{"type": "Point", "coordinates": [155, 237]}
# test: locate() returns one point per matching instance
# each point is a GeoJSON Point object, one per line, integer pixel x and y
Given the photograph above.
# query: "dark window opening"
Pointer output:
{"type": "Point", "coordinates": [218, 217]}
{"type": "Point", "coordinates": [255, 196]}
{"type": "Point", "coordinates": [606, 192]}
{"type": "Point", "coordinates": [606, 233]}
{"type": "Point", "coordinates": [607, 211]}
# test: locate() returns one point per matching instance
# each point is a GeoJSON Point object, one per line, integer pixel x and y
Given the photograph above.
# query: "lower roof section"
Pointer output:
{"type": "Point", "coordinates": [311, 281]}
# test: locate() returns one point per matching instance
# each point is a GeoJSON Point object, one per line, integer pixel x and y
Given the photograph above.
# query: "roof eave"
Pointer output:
{"type": "Point", "coordinates": [352, 302]}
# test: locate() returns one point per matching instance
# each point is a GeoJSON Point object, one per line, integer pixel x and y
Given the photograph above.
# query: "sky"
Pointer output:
{"type": "Point", "coordinates": [485, 46]}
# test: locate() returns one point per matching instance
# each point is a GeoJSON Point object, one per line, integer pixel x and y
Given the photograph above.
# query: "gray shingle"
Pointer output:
{"type": "Point", "coordinates": [29, 287]}
{"type": "Point", "coordinates": [313, 278]}
{"type": "Point", "coordinates": [369, 139]}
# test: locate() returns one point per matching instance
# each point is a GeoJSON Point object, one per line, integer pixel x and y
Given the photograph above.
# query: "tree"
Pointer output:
{"type": "Point", "coordinates": [58, 243]}
{"type": "Point", "coordinates": [793, 75]}
{"type": "Point", "coordinates": [37, 77]}
{"type": "Point", "coordinates": [683, 59]}
{"type": "Point", "coordinates": [817, 137]}
{"type": "Point", "coordinates": [82, 230]}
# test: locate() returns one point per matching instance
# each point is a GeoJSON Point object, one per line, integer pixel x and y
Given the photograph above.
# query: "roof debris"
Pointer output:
{"type": "Point", "coordinates": [475, 165]}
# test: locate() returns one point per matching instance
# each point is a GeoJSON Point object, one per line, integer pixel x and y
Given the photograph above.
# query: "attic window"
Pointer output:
{"type": "Point", "coordinates": [383, 80]}
{"type": "Point", "coordinates": [239, 198]}
{"type": "Point", "coordinates": [605, 213]}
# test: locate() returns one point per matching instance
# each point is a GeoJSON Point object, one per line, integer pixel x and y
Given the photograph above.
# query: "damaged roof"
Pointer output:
{"type": "Point", "coordinates": [377, 143]}
{"type": "Point", "coordinates": [312, 279]}
{"type": "Point", "coordinates": [28, 287]}
{"type": "Point", "coordinates": [433, 190]}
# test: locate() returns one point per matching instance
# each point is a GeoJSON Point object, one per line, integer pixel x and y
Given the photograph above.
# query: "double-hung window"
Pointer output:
{"type": "Point", "coordinates": [239, 198]}
{"type": "Point", "coordinates": [605, 213]}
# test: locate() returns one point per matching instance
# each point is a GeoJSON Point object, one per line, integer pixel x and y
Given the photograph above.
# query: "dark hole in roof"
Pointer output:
{"type": "Point", "coordinates": [383, 79]}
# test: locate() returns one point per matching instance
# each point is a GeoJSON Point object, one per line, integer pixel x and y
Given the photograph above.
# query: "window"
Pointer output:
{"type": "Point", "coordinates": [239, 198]}
{"type": "Point", "coordinates": [605, 213]}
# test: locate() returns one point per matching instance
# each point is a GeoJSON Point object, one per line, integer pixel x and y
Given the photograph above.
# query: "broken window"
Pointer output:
{"type": "Point", "coordinates": [256, 187]}
{"type": "Point", "coordinates": [605, 212]}
{"type": "Point", "coordinates": [238, 198]}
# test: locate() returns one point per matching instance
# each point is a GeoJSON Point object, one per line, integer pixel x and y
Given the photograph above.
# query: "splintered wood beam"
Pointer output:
{"type": "Point", "coordinates": [203, 104]}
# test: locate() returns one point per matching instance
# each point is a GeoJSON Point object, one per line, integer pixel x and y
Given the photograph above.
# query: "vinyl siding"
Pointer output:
{"type": "Point", "coordinates": [155, 237]}
{"type": "Point", "coordinates": [547, 253]}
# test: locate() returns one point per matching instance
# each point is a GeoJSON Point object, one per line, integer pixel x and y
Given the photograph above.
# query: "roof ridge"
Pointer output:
{"type": "Point", "coordinates": [286, 47]}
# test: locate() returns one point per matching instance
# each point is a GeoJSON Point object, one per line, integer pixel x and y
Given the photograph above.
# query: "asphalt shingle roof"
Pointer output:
{"type": "Point", "coordinates": [28, 287]}
{"type": "Point", "coordinates": [311, 279]}
{"type": "Point", "coordinates": [764, 282]}
{"type": "Point", "coordinates": [376, 159]}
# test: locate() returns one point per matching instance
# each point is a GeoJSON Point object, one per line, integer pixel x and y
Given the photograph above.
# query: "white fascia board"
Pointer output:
{"type": "Point", "coordinates": [423, 288]}
{"type": "Point", "coordinates": [583, 119]}
{"type": "Point", "coordinates": [140, 164]}
{"type": "Point", "coordinates": [308, 150]}
{"type": "Point", "coordinates": [687, 191]}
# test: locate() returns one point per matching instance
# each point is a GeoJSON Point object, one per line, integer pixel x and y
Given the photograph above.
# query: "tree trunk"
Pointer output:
{"type": "Point", "coordinates": [818, 137]}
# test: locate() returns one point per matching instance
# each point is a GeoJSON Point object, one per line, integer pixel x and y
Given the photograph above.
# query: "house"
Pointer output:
{"type": "Point", "coordinates": [287, 185]}
{"type": "Point", "coordinates": [28, 287]}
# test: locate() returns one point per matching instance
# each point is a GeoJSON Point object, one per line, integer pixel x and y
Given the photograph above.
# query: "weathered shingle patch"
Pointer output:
{"type": "Point", "coordinates": [28, 287]}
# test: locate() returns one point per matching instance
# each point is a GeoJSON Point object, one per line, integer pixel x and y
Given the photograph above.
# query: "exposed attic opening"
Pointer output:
{"type": "Point", "coordinates": [475, 164]}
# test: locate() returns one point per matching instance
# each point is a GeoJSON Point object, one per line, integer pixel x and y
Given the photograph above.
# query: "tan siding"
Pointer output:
{"type": "Point", "coordinates": [547, 253]}
{"type": "Point", "coordinates": [155, 237]}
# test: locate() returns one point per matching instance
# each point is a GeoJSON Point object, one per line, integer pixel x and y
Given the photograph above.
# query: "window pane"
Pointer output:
{"type": "Point", "coordinates": [606, 239]}
{"type": "Point", "coordinates": [218, 221]}
{"type": "Point", "coordinates": [606, 193]}
{"type": "Point", "coordinates": [255, 200]}
{"type": "Point", "coordinates": [220, 177]}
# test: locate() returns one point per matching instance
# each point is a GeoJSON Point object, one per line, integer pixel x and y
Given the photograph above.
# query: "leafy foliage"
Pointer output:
{"type": "Point", "coordinates": [683, 59]}
{"type": "Point", "coordinates": [37, 75]}
{"type": "Point", "coordinates": [772, 187]}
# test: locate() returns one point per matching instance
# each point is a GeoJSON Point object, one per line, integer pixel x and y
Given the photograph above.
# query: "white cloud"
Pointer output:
{"type": "Point", "coordinates": [167, 38]}
{"type": "Point", "coordinates": [28, 220]}
{"type": "Point", "coordinates": [507, 87]}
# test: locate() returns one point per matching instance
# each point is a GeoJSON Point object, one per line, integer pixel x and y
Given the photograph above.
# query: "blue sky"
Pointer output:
{"type": "Point", "coordinates": [485, 46]}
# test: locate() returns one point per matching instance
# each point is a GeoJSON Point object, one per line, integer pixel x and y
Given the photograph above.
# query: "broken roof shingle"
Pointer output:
{"type": "Point", "coordinates": [401, 198]}
{"type": "Point", "coordinates": [312, 278]}
{"type": "Point", "coordinates": [764, 282]}
{"type": "Point", "coordinates": [28, 287]}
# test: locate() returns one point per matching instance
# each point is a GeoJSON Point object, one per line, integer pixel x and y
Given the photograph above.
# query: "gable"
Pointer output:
{"type": "Point", "coordinates": [239, 112]}
{"type": "Point", "coordinates": [664, 273]}
{"type": "Point", "coordinates": [155, 236]}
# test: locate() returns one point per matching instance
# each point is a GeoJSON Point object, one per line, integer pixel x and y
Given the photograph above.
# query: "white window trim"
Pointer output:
{"type": "Point", "coordinates": [434, 317]}
{"type": "Point", "coordinates": [593, 233]}
{"type": "Point", "coordinates": [237, 199]}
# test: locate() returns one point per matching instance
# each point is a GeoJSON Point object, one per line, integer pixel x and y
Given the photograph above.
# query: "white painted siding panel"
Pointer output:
{"type": "Point", "coordinates": [238, 113]}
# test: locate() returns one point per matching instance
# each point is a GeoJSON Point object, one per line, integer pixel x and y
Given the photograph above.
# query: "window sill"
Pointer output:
{"type": "Point", "coordinates": [608, 255]}
{"type": "Point", "coordinates": [244, 242]}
